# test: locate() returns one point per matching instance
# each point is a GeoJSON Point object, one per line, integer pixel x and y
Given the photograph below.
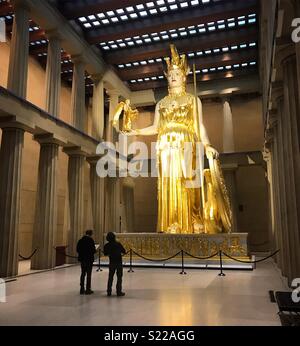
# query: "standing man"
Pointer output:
{"type": "Point", "coordinates": [114, 250]}
{"type": "Point", "coordinates": [86, 250]}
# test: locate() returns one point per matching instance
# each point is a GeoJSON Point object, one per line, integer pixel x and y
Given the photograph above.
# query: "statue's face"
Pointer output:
{"type": "Point", "coordinates": [176, 78]}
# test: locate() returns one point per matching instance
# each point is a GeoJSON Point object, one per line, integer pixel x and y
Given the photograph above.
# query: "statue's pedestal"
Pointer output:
{"type": "Point", "coordinates": [159, 245]}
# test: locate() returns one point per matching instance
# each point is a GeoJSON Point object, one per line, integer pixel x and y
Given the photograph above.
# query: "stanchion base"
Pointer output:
{"type": "Point", "coordinates": [130, 271]}
{"type": "Point", "coordinates": [99, 270]}
{"type": "Point", "coordinates": [183, 273]}
{"type": "Point", "coordinates": [222, 274]}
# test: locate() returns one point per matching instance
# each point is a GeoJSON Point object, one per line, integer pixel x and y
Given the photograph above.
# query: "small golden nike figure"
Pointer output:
{"type": "Point", "coordinates": [129, 115]}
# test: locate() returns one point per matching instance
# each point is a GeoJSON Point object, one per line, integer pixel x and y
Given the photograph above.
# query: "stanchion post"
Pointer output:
{"type": "Point", "coordinates": [130, 262]}
{"type": "Point", "coordinates": [221, 264]}
{"type": "Point", "coordinates": [99, 262]}
{"type": "Point", "coordinates": [182, 264]}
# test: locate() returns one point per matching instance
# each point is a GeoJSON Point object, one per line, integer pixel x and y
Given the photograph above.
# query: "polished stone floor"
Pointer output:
{"type": "Point", "coordinates": [153, 297]}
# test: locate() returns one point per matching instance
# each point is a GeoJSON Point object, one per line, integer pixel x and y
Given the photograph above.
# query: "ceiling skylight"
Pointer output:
{"type": "Point", "coordinates": [194, 30]}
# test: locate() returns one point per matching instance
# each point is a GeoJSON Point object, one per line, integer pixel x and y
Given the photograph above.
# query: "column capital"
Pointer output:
{"type": "Point", "coordinates": [49, 138]}
{"type": "Point", "coordinates": [93, 160]}
{"type": "Point", "coordinates": [53, 34]}
{"type": "Point", "coordinates": [75, 151]}
{"type": "Point", "coordinates": [97, 77]}
{"type": "Point", "coordinates": [78, 59]}
{"type": "Point", "coordinates": [113, 92]}
{"type": "Point", "coordinates": [225, 98]}
{"type": "Point", "coordinates": [15, 122]}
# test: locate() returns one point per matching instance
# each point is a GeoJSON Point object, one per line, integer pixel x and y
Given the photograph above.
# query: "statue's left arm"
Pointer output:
{"type": "Point", "coordinates": [201, 130]}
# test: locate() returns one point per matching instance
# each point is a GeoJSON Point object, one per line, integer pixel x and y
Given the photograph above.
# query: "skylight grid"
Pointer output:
{"type": "Point", "coordinates": [226, 68]}
{"type": "Point", "coordinates": [183, 32]}
{"type": "Point", "coordinates": [140, 11]}
{"type": "Point", "coordinates": [193, 54]}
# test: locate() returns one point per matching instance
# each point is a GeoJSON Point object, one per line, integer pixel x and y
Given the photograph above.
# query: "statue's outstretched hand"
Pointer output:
{"type": "Point", "coordinates": [210, 151]}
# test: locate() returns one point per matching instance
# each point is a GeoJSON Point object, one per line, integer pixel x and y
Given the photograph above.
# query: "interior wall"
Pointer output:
{"type": "Point", "coordinates": [36, 95]}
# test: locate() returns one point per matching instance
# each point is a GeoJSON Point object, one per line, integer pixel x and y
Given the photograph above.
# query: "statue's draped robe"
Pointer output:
{"type": "Point", "coordinates": [179, 203]}
{"type": "Point", "coordinates": [179, 206]}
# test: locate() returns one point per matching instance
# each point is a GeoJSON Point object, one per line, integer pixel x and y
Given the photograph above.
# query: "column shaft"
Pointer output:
{"type": "Point", "coordinates": [53, 76]}
{"type": "Point", "coordinates": [270, 178]}
{"type": "Point", "coordinates": [10, 191]}
{"type": "Point", "coordinates": [228, 138]}
{"type": "Point", "coordinates": [113, 103]}
{"type": "Point", "coordinates": [78, 96]}
{"type": "Point", "coordinates": [283, 193]}
{"type": "Point", "coordinates": [112, 205]}
{"type": "Point", "coordinates": [98, 203]}
{"type": "Point", "coordinates": [128, 206]}
{"type": "Point", "coordinates": [76, 201]}
{"type": "Point", "coordinates": [98, 109]}
{"type": "Point", "coordinates": [291, 124]}
{"type": "Point", "coordinates": [19, 50]}
{"type": "Point", "coordinates": [45, 228]}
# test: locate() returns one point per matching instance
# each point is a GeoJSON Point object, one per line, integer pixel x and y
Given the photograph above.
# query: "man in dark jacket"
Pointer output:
{"type": "Point", "coordinates": [114, 250]}
{"type": "Point", "coordinates": [86, 250]}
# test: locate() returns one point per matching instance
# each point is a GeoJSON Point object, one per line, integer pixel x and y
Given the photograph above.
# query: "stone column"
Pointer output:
{"type": "Point", "coordinates": [113, 103]}
{"type": "Point", "coordinates": [277, 189]}
{"type": "Point", "coordinates": [283, 191]}
{"type": "Point", "coordinates": [278, 201]}
{"type": "Point", "coordinates": [53, 74]}
{"type": "Point", "coordinates": [291, 123]}
{"type": "Point", "coordinates": [297, 11]}
{"type": "Point", "coordinates": [76, 198]}
{"type": "Point", "coordinates": [45, 227]}
{"type": "Point", "coordinates": [98, 201]}
{"type": "Point", "coordinates": [268, 160]}
{"type": "Point", "coordinates": [228, 137]}
{"type": "Point", "coordinates": [10, 189]}
{"type": "Point", "coordinates": [112, 205]}
{"type": "Point", "coordinates": [19, 50]}
{"type": "Point", "coordinates": [128, 205]}
{"type": "Point", "coordinates": [98, 108]}
{"type": "Point", "coordinates": [78, 95]}
{"type": "Point", "coordinates": [113, 212]}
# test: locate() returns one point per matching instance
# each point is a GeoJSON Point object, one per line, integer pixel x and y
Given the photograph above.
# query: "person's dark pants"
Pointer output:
{"type": "Point", "coordinates": [86, 270]}
{"type": "Point", "coordinates": [115, 267]}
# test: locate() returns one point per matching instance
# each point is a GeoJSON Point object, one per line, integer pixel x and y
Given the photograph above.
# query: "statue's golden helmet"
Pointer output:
{"type": "Point", "coordinates": [177, 62]}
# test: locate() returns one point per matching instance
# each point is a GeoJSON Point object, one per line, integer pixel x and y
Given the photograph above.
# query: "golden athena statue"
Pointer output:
{"type": "Point", "coordinates": [183, 209]}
